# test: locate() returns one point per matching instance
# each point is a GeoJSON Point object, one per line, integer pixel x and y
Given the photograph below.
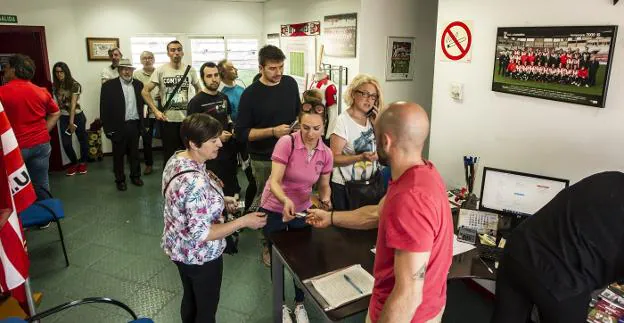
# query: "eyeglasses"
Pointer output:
{"type": "Point", "coordinates": [367, 95]}
{"type": "Point", "coordinates": [308, 107]}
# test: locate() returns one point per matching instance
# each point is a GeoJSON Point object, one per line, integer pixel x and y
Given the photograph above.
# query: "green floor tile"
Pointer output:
{"type": "Point", "coordinates": [225, 315]}
{"type": "Point", "coordinates": [167, 279]}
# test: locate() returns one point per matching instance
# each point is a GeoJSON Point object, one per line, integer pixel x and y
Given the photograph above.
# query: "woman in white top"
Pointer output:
{"type": "Point", "coordinates": [353, 138]}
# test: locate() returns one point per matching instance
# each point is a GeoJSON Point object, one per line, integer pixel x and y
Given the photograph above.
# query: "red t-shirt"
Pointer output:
{"type": "Point", "coordinates": [27, 106]}
{"type": "Point", "coordinates": [415, 217]}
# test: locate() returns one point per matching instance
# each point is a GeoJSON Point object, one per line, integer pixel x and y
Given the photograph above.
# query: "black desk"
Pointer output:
{"type": "Point", "coordinates": [307, 253]}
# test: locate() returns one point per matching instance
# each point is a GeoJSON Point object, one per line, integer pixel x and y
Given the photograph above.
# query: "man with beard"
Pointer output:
{"type": "Point", "coordinates": [166, 78]}
{"type": "Point", "coordinates": [111, 72]}
{"type": "Point", "coordinates": [121, 110]}
{"type": "Point", "coordinates": [415, 235]}
{"type": "Point", "coordinates": [217, 105]}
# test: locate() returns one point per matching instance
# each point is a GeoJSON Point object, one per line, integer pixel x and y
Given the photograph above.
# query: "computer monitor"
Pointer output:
{"type": "Point", "coordinates": [515, 193]}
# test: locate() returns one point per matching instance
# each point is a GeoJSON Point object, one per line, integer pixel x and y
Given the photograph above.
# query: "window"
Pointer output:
{"type": "Point", "coordinates": [241, 52]}
{"type": "Point", "coordinates": [156, 45]}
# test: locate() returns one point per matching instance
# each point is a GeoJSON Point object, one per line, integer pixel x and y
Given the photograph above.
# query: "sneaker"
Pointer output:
{"type": "Point", "coordinates": [286, 314]}
{"type": "Point", "coordinates": [82, 168]}
{"type": "Point", "coordinates": [301, 315]}
{"type": "Point", "coordinates": [71, 170]}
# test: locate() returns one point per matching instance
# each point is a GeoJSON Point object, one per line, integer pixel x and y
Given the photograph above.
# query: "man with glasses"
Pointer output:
{"type": "Point", "coordinates": [111, 72]}
{"type": "Point", "coordinates": [144, 75]}
{"type": "Point", "coordinates": [166, 78]}
{"type": "Point", "coordinates": [266, 111]}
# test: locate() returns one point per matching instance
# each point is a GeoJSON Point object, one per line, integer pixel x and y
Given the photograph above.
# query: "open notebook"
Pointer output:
{"type": "Point", "coordinates": [341, 287]}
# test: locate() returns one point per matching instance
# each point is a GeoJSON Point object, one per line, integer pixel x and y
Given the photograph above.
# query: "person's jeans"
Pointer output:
{"type": "Point", "coordinates": [275, 223]}
{"type": "Point", "coordinates": [261, 172]}
{"type": "Point", "coordinates": [37, 161]}
{"type": "Point", "coordinates": [202, 289]}
{"type": "Point", "coordinates": [81, 132]}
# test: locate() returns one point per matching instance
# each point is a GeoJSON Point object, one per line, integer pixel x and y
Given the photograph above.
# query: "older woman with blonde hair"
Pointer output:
{"type": "Point", "coordinates": [353, 138]}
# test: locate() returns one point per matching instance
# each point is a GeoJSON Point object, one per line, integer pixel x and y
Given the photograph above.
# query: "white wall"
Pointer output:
{"type": "Point", "coordinates": [280, 12]}
{"type": "Point", "coordinates": [517, 132]}
{"type": "Point", "coordinates": [69, 22]}
{"type": "Point", "coordinates": [402, 18]}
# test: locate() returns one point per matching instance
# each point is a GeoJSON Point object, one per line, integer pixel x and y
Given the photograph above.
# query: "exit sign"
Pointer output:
{"type": "Point", "coordinates": [10, 19]}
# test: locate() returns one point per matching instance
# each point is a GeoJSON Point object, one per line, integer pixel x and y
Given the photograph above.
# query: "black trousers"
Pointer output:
{"type": "Point", "coordinates": [250, 193]}
{"type": "Point", "coordinates": [147, 135]}
{"type": "Point", "coordinates": [171, 141]}
{"type": "Point", "coordinates": [202, 287]}
{"type": "Point", "coordinates": [127, 144]}
{"type": "Point", "coordinates": [517, 290]}
{"type": "Point", "coordinates": [81, 122]}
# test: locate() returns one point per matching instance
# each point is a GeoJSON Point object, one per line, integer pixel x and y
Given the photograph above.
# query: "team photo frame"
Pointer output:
{"type": "Point", "coordinates": [97, 48]}
{"type": "Point", "coordinates": [567, 64]}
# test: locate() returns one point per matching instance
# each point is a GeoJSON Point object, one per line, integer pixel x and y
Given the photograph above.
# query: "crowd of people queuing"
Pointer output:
{"type": "Point", "coordinates": [549, 65]}
{"type": "Point", "coordinates": [278, 137]}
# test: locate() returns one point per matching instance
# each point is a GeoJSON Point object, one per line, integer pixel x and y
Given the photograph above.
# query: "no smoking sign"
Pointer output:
{"type": "Point", "coordinates": [456, 42]}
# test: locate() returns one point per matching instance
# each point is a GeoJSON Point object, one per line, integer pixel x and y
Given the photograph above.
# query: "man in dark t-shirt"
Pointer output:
{"type": "Point", "coordinates": [569, 248]}
{"type": "Point", "coordinates": [210, 101]}
{"type": "Point", "coordinates": [267, 109]}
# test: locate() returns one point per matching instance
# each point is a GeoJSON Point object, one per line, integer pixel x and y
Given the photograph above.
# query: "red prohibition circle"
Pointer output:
{"type": "Point", "coordinates": [447, 31]}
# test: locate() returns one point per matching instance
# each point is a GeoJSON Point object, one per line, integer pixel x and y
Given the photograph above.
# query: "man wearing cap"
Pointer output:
{"type": "Point", "coordinates": [121, 110]}
{"type": "Point", "coordinates": [110, 72]}
{"type": "Point", "coordinates": [33, 114]}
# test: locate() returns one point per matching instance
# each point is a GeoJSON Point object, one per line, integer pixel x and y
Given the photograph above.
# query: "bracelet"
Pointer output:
{"type": "Point", "coordinates": [332, 217]}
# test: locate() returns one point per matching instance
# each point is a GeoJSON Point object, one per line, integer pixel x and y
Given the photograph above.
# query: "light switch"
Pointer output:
{"type": "Point", "coordinates": [457, 91]}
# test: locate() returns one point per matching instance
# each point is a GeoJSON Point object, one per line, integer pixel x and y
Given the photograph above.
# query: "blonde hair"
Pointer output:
{"type": "Point", "coordinates": [357, 82]}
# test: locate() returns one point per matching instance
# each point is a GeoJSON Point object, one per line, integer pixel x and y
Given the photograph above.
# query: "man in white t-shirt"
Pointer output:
{"type": "Point", "coordinates": [166, 78]}
{"type": "Point", "coordinates": [111, 72]}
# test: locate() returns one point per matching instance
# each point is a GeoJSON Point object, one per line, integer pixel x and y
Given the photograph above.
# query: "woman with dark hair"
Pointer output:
{"type": "Point", "coordinates": [67, 92]}
{"type": "Point", "coordinates": [194, 233]}
{"type": "Point", "coordinates": [299, 161]}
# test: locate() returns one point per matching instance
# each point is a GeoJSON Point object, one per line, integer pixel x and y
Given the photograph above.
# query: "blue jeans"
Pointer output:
{"type": "Point", "coordinates": [37, 160]}
{"type": "Point", "coordinates": [275, 223]}
{"type": "Point", "coordinates": [81, 132]}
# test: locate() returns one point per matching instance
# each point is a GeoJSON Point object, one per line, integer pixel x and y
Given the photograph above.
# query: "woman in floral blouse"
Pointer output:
{"type": "Point", "coordinates": [194, 234]}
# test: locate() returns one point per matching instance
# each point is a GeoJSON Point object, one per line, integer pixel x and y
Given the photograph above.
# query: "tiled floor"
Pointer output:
{"type": "Point", "coordinates": [113, 240]}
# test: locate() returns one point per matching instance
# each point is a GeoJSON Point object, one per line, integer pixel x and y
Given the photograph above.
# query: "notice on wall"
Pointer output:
{"type": "Point", "coordinates": [456, 42]}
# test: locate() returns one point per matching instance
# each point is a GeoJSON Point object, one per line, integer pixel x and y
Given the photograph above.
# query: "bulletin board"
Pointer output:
{"type": "Point", "coordinates": [300, 57]}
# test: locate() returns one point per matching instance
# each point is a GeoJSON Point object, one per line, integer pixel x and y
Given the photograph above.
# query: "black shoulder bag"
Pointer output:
{"type": "Point", "coordinates": [231, 241]}
{"type": "Point", "coordinates": [158, 123]}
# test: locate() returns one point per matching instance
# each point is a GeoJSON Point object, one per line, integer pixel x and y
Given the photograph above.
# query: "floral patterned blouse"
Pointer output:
{"type": "Point", "coordinates": [193, 202]}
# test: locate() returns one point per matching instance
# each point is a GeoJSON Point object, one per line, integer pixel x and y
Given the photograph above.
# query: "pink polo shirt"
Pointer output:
{"type": "Point", "coordinates": [300, 174]}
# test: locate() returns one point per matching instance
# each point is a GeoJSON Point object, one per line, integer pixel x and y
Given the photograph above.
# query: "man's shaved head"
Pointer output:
{"type": "Point", "coordinates": [406, 123]}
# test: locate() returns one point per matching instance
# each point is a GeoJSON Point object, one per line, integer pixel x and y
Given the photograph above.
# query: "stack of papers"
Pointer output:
{"type": "Point", "coordinates": [342, 286]}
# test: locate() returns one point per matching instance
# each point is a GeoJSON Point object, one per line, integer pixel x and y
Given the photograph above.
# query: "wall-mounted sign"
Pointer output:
{"type": "Point", "coordinates": [456, 42]}
{"type": "Point", "coordinates": [8, 19]}
{"type": "Point", "coordinates": [312, 28]}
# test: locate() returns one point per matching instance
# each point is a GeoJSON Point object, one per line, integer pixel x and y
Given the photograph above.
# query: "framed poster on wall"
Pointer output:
{"type": "Point", "coordinates": [400, 59]}
{"type": "Point", "coordinates": [340, 35]}
{"type": "Point", "coordinates": [97, 48]}
{"type": "Point", "coordinates": [567, 64]}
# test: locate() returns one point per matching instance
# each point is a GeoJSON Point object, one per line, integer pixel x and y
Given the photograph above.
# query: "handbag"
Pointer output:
{"type": "Point", "coordinates": [158, 123]}
{"type": "Point", "coordinates": [364, 191]}
{"type": "Point", "coordinates": [231, 241]}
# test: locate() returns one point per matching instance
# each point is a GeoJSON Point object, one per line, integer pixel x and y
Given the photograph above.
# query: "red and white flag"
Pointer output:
{"type": "Point", "coordinates": [16, 194]}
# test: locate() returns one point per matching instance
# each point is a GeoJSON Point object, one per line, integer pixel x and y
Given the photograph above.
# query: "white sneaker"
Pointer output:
{"type": "Point", "coordinates": [286, 314]}
{"type": "Point", "coordinates": [301, 315]}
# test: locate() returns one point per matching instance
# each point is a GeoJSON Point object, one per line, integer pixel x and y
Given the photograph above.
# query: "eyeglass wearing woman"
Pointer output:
{"type": "Point", "coordinates": [353, 139]}
{"type": "Point", "coordinates": [67, 92]}
{"type": "Point", "coordinates": [194, 233]}
{"type": "Point", "coordinates": [299, 161]}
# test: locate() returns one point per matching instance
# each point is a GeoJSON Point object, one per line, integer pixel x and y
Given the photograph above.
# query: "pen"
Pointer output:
{"type": "Point", "coordinates": [352, 284]}
{"type": "Point", "coordinates": [486, 265]}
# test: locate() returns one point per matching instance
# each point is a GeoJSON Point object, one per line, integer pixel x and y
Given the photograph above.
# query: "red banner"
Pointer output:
{"type": "Point", "coordinates": [312, 28]}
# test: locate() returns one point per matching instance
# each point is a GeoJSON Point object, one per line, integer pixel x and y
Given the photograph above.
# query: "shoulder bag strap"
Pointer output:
{"type": "Point", "coordinates": [176, 175]}
{"type": "Point", "coordinates": [177, 88]}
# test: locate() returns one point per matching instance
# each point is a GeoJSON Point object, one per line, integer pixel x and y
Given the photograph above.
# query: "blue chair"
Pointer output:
{"type": "Point", "coordinates": [43, 212]}
{"type": "Point", "coordinates": [71, 304]}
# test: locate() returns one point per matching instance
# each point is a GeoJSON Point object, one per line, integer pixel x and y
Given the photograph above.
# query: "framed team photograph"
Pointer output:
{"type": "Point", "coordinates": [567, 64]}
{"type": "Point", "coordinates": [97, 48]}
{"type": "Point", "coordinates": [399, 59]}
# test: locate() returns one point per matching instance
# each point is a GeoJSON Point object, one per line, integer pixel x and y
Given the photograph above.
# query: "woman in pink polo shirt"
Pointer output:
{"type": "Point", "coordinates": [299, 161]}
